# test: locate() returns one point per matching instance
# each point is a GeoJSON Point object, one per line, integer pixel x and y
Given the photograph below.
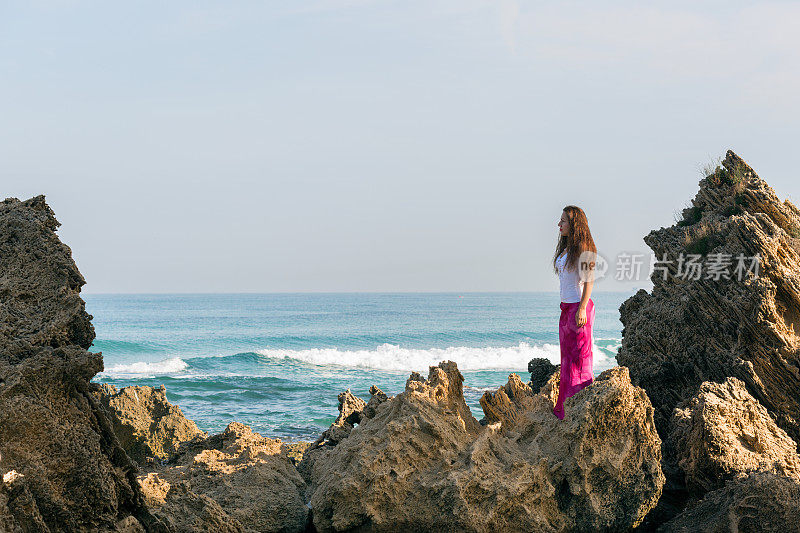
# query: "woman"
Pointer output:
{"type": "Point", "coordinates": [574, 262]}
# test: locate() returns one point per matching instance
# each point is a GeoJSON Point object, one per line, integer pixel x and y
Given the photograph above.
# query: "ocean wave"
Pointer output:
{"type": "Point", "coordinates": [141, 368]}
{"type": "Point", "coordinates": [393, 357]}
{"type": "Point", "coordinates": [387, 357]}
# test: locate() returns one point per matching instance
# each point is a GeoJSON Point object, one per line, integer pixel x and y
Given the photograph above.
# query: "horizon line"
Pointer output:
{"type": "Point", "coordinates": [343, 292]}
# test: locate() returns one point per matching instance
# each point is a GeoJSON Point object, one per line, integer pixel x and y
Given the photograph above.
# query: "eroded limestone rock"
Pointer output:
{"type": "Point", "coordinates": [541, 369]}
{"type": "Point", "coordinates": [723, 433]}
{"type": "Point", "coordinates": [146, 424]}
{"type": "Point", "coordinates": [688, 331]}
{"type": "Point", "coordinates": [352, 411]}
{"type": "Point", "coordinates": [424, 463]}
{"type": "Point", "coordinates": [760, 502]}
{"type": "Point", "coordinates": [53, 432]}
{"type": "Point", "coordinates": [233, 481]}
{"type": "Point", "coordinates": [350, 407]}
{"type": "Point", "coordinates": [506, 403]}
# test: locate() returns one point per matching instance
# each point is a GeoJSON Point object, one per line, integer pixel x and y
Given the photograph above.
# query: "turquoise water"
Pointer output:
{"type": "Point", "coordinates": [278, 361]}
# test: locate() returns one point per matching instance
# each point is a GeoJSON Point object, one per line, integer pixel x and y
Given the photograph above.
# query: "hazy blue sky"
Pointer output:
{"type": "Point", "coordinates": [398, 146]}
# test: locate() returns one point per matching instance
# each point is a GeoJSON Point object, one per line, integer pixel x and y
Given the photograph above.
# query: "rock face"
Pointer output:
{"type": "Point", "coordinates": [761, 502]}
{"type": "Point", "coordinates": [688, 331]}
{"type": "Point", "coordinates": [352, 411]}
{"type": "Point", "coordinates": [350, 408]}
{"type": "Point", "coordinates": [39, 283]}
{"type": "Point", "coordinates": [424, 463]}
{"type": "Point", "coordinates": [723, 433]}
{"type": "Point", "coordinates": [541, 369]}
{"type": "Point", "coordinates": [508, 403]}
{"type": "Point", "coordinates": [18, 509]}
{"type": "Point", "coordinates": [146, 424]}
{"type": "Point", "coordinates": [234, 481]}
{"type": "Point", "coordinates": [70, 472]}
{"type": "Point", "coordinates": [718, 338]}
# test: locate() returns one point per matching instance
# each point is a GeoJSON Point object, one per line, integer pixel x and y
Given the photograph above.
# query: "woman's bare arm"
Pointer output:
{"type": "Point", "coordinates": [580, 314]}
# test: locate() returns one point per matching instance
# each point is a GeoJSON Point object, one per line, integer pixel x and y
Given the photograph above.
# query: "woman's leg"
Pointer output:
{"type": "Point", "coordinates": [563, 342]}
{"type": "Point", "coordinates": [576, 354]}
{"type": "Point", "coordinates": [583, 340]}
{"type": "Point", "coordinates": [590, 338]}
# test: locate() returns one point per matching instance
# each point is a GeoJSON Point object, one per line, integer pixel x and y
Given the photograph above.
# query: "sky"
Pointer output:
{"type": "Point", "coordinates": [377, 145]}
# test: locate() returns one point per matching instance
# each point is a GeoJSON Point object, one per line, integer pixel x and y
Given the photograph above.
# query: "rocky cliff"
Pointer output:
{"type": "Point", "coordinates": [716, 345]}
{"type": "Point", "coordinates": [62, 465]}
{"type": "Point", "coordinates": [687, 331]}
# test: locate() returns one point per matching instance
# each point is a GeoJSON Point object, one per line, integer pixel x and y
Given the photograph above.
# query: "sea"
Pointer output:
{"type": "Point", "coordinates": [277, 362]}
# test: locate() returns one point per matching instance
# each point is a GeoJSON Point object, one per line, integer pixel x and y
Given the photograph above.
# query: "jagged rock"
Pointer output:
{"type": "Point", "coordinates": [146, 424]}
{"type": "Point", "coordinates": [541, 369]}
{"type": "Point", "coordinates": [294, 451]}
{"type": "Point", "coordinates": [39, 283]}
{"type": "Point", "coordinates": [377, 397]}
{"type": "Point", "coordinates": [233, 481]}
{"type": "Point", "coordinates": [423, 463]}
{"type": "Point", "coordinates": [723, 433]}
{"type": "Point", "coordinates": [688, 331]}
{"type": "Point", "coordinates": [185, 510]}
{"type": "Point", "coordinates": [18, 509]}
{"type": "Point", "coordinates": [53, 432]}
{"type": "Point", "coordinates": [352, 410]}
{"type": "Point", "coordinates": [761, 502]}
{"type": "Point", "coordinates": [507, 403]}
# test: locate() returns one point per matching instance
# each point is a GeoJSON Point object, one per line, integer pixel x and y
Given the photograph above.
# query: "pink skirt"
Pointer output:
{"type": "Point", "coordinates": [576, 353]}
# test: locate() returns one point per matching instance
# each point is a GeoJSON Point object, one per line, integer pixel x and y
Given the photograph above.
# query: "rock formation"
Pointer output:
{"type": "Point", "coordinates": [760, 502]}
{"type": "Point", "coordinates": [63, 468]}
{"type": "Point", "coordinates": [687, 331]}
{"type": "Point", "coordinates": [234, 481]}
{"type": "Point", "coordinates": [146, 424]}
{"type": "Point", "coordinates": [541, 369]}
{"type": "Point", "coordinates": [716, 345]}
{"type": "Point", "coordinates": [350, 408]}
{"type": "Point", "coordinates": [507, 403]}
{"type": "Point", "coordinates": [424, 463]}
{"type": "Point", "coordinates": [723, 433]}
{"type": "Point", "coordinates": [352, 411]}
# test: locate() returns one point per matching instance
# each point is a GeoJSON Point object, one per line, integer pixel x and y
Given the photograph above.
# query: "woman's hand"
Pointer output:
{"type": "Point", "coordinates": [580, 317]}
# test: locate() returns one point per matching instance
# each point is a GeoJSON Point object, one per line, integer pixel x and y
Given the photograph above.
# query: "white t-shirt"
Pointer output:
{"type": "Point", "coordinates": [571, 284]}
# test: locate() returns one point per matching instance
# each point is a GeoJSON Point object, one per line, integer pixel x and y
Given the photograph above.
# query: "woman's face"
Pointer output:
{"type": "Point", "coordinates": [563, 225]}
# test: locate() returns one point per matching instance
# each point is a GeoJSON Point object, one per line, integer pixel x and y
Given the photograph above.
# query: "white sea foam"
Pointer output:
{"type": "Point", "coordinates": [393, 357]}
{"type": "Point", "coordinates": [141, 368]}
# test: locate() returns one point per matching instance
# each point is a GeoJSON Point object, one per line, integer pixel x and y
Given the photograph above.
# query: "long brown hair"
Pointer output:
{"type": "Point", "coordinates": [578, 240]}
